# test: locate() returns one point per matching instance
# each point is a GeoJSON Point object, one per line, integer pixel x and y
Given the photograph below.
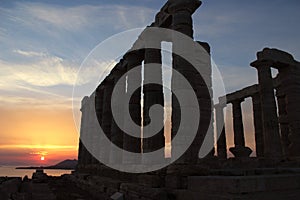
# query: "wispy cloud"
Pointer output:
{"type": "Point", "coordinates": [83, 16]}
{"type": "Point", "coordinates": [30, 82]}
{"type": "Point", "coordinates": [29, 53]}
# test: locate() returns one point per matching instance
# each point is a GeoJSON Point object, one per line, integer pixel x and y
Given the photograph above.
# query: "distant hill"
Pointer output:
{"type": "Point", "coordinates": [66, 164]}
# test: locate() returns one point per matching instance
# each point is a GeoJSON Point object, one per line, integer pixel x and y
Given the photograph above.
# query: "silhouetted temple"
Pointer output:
{"type": "Point", "coordinates": [276, 114]}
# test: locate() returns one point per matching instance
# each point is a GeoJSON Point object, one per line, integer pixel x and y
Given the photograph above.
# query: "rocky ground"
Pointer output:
{"type": "Point", "coordinates": [52, 188]}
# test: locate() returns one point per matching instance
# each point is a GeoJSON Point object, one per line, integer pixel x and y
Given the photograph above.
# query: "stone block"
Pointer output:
{"type": "Point", "coordinates": [154, 181]}
{"type": "Point", "coordinates": [117, 196]}
{"type": "Point", "coordinates": [244, 184]}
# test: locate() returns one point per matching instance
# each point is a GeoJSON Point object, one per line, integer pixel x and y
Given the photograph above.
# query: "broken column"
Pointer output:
{"type": "Point", "coordinates": [239, 150]}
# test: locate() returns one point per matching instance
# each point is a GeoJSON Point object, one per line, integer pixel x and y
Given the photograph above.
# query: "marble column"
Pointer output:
{"type": "Point", "coordinates": [99, 113]}
{"type": "Point", "coordinates": [289, 77]}
{"type": "Point", "coordinates": [130, 143]}
{"type": "Point", "coordinates": [153, 94]}
{"type": "Point", "coordinates": [203, 86]}
{"type": "Point", "coordinates": [107, 115]}
{"type": "Point", "coordinates": [80, 153]}
{"type": "Point", "coordinates": [220, 126]}
{"type": "Point", "coordinates": [239, 149]}
{"type": "Point", "coordinates": [93, 131]}
{"type": "Point", "coordinates": [99, 97]}
{"type": "Point", "coordinates": [283, 120]}
{"type": "Point", "coordinates": [258, 127]}
{"type": "Point", "coordinates": [272, 146]}
{"type": "Point", "coordinates": [117, 133]}
{"type": "Point", "coordinates": [85, 155]}
{"type": "Point", "coordinates": [182, 22]}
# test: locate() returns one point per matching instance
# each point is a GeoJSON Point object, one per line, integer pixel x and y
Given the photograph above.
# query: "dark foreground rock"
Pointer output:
{"type": "Point", "coordinates": [43, 187]}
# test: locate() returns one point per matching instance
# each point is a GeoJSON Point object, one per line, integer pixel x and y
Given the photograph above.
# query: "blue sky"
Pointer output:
{"type": "Point", "coordinates": [43, 43]}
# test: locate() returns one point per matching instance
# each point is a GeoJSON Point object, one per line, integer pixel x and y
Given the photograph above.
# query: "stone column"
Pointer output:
{"type": "Point", "coordinates": [220, 126]}
{"type": "Point", "coordinates": [289, 77]}
{"type": "Point", "coordinates": [239, 149]}
{"type": "Point", "coordinates": [203, 86]}
{"type": "Point", "coordinates": [283, 120]}
{"type": "Point", "coordinates": [272, 147]}
{"type": "Point", "coordinates": [130, 143]}
{"type": "Point", "coordinates": [181, 12]}
{"type": "Point", "coordinates": [93, 131]}
{"type": "Point", "coordinates": [153, 94]}
{"type": "Point", "coordinates": [99, 95]}
{"type": "Point", "coordinates": [80, 151]}
{"type": "Point", "coordinates": [258, 128]}
{"type": "Point", "coordinates": [117, 133]}
{"type": "Point", "coordinates": [85, 155]}
{"type": "Point", "coordinates": [107, 115]}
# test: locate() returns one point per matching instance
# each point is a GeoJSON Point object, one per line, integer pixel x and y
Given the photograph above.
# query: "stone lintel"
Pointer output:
{"type": "Point", "coordinates": [240, 94]}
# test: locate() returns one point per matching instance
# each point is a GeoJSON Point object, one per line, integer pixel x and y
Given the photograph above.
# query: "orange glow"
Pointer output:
{"type": "Point", "coordinates": [27, 135]}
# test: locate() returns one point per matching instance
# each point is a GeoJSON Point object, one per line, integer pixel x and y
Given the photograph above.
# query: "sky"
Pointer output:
{"type": "Point", "coordinates": [43, 44]}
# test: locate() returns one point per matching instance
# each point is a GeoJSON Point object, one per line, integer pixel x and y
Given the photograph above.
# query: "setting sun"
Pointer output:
{"type": "Point", "coordinates": [42, 158]}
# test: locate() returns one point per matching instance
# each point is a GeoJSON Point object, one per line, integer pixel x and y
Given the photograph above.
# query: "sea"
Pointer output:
{"type": "Point", "coordinates": [11, 171]}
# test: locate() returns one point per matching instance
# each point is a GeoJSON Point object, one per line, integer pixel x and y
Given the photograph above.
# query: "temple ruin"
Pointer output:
{"type": "Point", "coordinates": [276, 115]}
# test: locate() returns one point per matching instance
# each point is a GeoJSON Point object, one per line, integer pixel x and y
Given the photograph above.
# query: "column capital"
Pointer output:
{"type": "Point", "coordinates": [255, 96]}
{"type": "Point", "coordinates": [187, 5]}
{"type": "Point", "coordinates": [237, 101]}
{"type": "Point", "coordinates": [261, 63]}
{"type": "Point", "coordinates": [220, 106]}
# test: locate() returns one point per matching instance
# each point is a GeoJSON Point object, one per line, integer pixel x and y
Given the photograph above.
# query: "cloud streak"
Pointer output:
{"type": "Point", "coordinates": [31, 81]}
{"type": "Point", "coordinates": [81, 16]}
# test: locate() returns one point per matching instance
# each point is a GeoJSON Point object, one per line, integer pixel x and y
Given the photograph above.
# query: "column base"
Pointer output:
{"type": "Point", "coordinates": [240, 151]}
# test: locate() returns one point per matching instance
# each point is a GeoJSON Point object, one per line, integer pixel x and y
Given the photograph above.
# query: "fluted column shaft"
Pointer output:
{"type": "Point", "coordinates": [258, 128]}
{"type": "Point", "coordinates": [130, 143]}
{"type": "Point", "coordinates": [272, 147]}
{"type": "Point", "coordinates": [85, 156]}
{"type": "Point", "coordinates": [238, 127]}
{"type": "Point", "coordinates": [153, 94]}
{"type": "Point", "coordinates": [107, 115]}
{"type": "Point", "coordinates": [182, 22]}
{"type": "Point", "coordinates": [220, 126]}
{"type": "Point", "coordinates": [99, 98]}
{"type": "Point", "coordinates": [117, 134]}
{"type": "Point", "coordinates": [239, 149]}
{"type": "Point", "coordinates": [289, 77]}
